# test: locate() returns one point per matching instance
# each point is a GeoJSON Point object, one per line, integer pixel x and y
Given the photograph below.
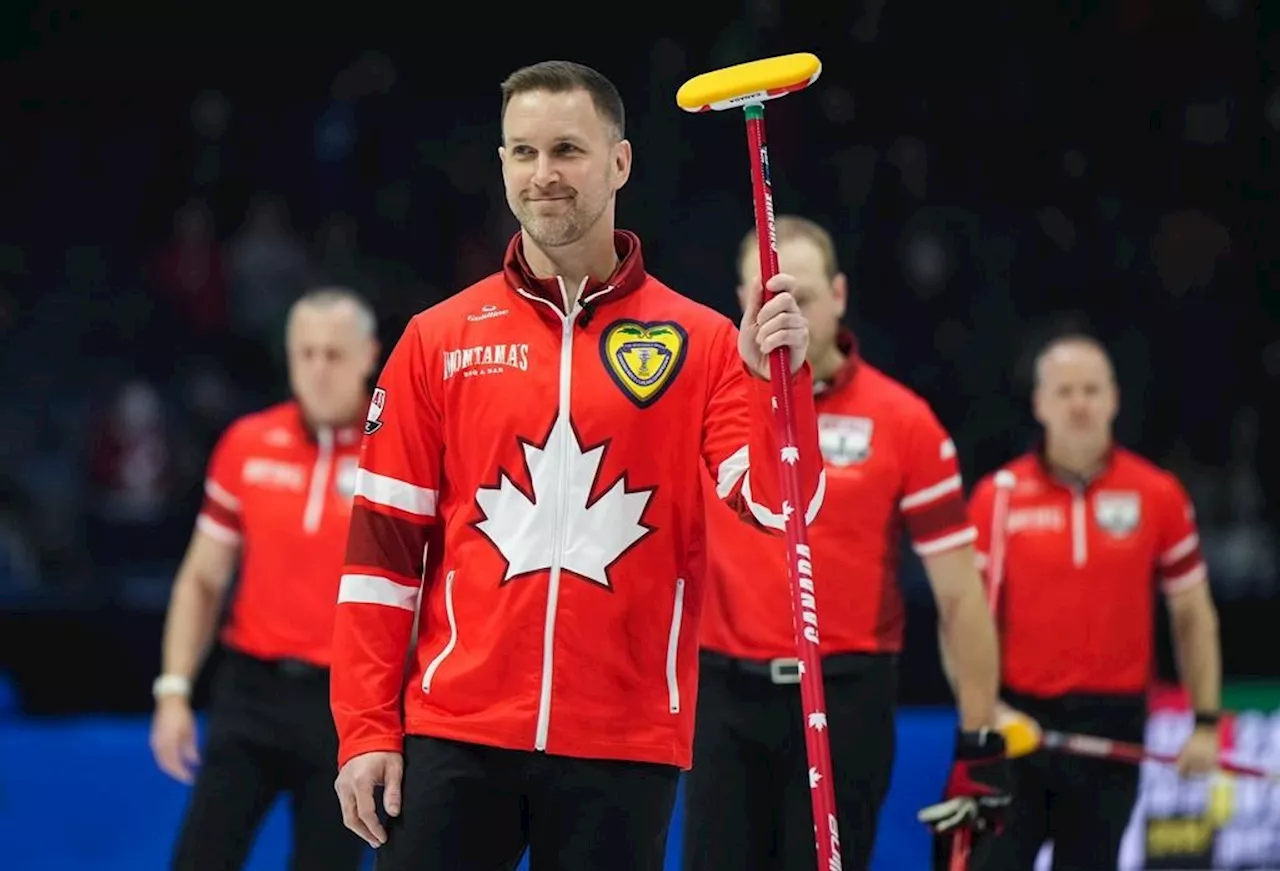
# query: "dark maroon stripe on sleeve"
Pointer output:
{"type": "Point", "coordinates": [938, 518]}
{"type": "Point", "coordinates": [220, 514]}
{"type": "Point", "coordinates": [382, 541]}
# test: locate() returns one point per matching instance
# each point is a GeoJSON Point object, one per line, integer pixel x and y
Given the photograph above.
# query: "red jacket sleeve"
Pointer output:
{"type": "Point", "coordinates": [1180, 563]}
{"type": "Point", "coordinates": [397, 487]}
{"type": "Point", "coordinates": [932, 496]}
{"type": "Point", "coordinates": [219, 515]}
{"type": "Point", "coordinates": [740, 446]}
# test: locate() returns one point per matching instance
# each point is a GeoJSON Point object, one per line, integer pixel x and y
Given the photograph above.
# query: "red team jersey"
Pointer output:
{"type": "Point", "coordinates": [282, 492]}
{"type": "Point", "coordinates": [551, 467]}
{"type": "Point", "coordinates": [890, 469]}
{"type": "Point", "coordinates": [1081, 569]}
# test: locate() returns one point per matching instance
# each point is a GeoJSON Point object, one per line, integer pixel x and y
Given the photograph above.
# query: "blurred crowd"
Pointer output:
{"type": "Point", "coordinates": [1083, 174]}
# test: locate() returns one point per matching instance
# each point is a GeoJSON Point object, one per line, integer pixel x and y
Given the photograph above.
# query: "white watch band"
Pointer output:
{"type": "Point", "coordinates": [171, 685]}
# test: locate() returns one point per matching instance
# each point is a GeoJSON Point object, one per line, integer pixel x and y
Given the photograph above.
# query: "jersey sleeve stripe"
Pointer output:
{"type": "Point", "coordinates": [220, 514]}
{"type": "Point", "coordinates": [939, 518]}
{"type": "Point", "coordinates": [1188, 562]}
{"type": "Point", "coordinates": [393, 544]}
{"type": "Point", "coordinates": [946, 542]}
{"type": "Point", "coordinates": [770, 519]}
{"type": "Point", "coordinates": [376, 590]}
{"type": "Point", "coordinates": [930, 494]}
{"type": "Point", "coordinates": [1183, 548]}
{"type": "Point", "coordinates": [219, 494]}
{"type": "Point", "coordinates": [1186, 580]}
{"type": "Point", "coordinates": [393, 493]}
{"type": "Point", "coordinates": [216, 530]}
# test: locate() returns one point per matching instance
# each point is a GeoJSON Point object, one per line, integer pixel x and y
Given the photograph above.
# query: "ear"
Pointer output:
{"type": "Point", "coordinates": [840, 290]}
{"type": "Point", "coordinates": [1035, 406]}
{"type": "Point", "coordinates": [621, 163]}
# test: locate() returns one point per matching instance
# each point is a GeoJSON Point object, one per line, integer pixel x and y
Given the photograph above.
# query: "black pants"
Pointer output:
{"type": "Point", "coordinates": [1082, 805]}
{"type": "Point", "coordinates": [465, 807]}
{"type": "Point", "coordinates": [270, 732]}
{"type": "Point", "coordinates": [748, 805]}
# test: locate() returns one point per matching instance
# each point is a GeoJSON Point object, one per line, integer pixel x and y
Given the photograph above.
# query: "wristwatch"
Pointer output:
{"type": "Point", "coordinates": [1207, 719]}
{"type": "Point", "coordinates": [170, 685]}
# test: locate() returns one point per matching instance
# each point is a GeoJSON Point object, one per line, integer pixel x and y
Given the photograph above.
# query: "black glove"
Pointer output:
{"type": "Point", "coordinates": [977, 791]}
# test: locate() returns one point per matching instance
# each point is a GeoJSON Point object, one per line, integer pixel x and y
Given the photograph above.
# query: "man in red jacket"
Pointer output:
{"type": "Point", "coordinates": [891, 472]}
{"type": "Point", "coordinates": [530, 484]}
{"type": "Point", "coordinates": [277, 502]}
{"type": "Point", "coordinates": [1079, 541]}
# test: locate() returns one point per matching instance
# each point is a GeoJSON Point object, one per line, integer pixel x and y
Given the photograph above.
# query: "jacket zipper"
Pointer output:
{"type": "Point", "coordinates": [557, 550]}
{"type": "Point", "coordinates": [1079, 530]}
{"type": "Point", "coordinates": [319, 482]}
{"type": "Point", "coordinates": [673, 648]}
{"type": "Point", "coordinates": [435, 664]}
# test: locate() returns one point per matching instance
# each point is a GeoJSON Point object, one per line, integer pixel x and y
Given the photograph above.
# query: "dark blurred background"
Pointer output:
{"type": "Point", "coordinates": [170, 180]}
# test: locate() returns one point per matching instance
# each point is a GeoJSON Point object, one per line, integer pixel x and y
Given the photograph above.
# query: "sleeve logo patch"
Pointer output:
{"type": "Point", "coordinates": [373, 422]}
{"type": "Point", "coordinates": [643, 357]}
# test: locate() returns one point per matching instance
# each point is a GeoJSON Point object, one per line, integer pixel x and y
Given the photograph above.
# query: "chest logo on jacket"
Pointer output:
{"type": "Point", "coordinates": [845, 440]}
{"type": "Point", "coordinates": [1117, 512]}
{"type": "Point", "coordinates": [643, 357]}
{"type": "Point", "coordinates": [557, 509]}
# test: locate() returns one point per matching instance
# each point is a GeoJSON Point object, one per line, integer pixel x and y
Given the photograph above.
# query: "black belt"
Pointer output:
{"type": "Point", "coordinates": [786, 670]}
{"type": "Point", "coordinates": [290, 668]}
{"type": "Point", "coordinates": [298, 668]}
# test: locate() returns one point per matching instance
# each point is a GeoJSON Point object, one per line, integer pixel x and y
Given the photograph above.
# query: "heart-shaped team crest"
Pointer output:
{"type": "Point", "coordinates": [643, 357]}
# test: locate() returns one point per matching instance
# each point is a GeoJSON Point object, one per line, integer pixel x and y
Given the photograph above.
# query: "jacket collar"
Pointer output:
{"type": "Point", "coordinates": [847, 342]}
{"type": "Point", "coordinates": [1071, 481]}
{"type": "Point", "coordinates": [343, 436]}
{"type": "Point", "coordinates": [627, 277]}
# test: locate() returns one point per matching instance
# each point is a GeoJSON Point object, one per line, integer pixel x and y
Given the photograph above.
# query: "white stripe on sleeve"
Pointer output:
{"type": "Point", "coordinates": [375, 590]}
{"type": "Point", "coordinates": [397, 494]}
{"type": "Point", "coordinates": [930, 494]}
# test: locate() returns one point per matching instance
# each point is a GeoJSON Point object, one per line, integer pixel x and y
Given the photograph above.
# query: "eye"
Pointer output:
{"type": "Point", "coordinates": [522, 150]}
{"type": "Point", "coordinates": [567, 148]}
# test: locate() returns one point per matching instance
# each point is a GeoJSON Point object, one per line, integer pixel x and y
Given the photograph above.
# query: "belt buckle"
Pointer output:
{"type": "Point", "coordinates": [785, 670]}
{"type": "Point", "coordinates": [295, 668]}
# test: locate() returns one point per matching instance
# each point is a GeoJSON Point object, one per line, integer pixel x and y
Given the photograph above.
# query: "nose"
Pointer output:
{"type": "Point", "coordinates": [544, 173]}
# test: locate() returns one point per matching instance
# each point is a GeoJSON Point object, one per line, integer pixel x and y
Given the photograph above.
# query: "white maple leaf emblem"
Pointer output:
{"type": "Point", "coordinates": [818, 720]}
{"type": "Point", "coordinates": [814, 777]}
{"type": "Point", "coordinates": [593, 534]}
{"type": "Point", "coordinates": [790, 454]}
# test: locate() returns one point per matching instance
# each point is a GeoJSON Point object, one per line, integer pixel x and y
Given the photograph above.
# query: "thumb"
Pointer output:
{"type": "Point", "coordinates": [392, 775]}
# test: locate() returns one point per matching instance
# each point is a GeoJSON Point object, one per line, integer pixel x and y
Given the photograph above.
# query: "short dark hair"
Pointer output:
{"type": "Point", "coordinates": [325, 296]}
{"type": "Point", "coordinates": [1066, 337]}
{"type": "Point", "coordinates": [560, 76]}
